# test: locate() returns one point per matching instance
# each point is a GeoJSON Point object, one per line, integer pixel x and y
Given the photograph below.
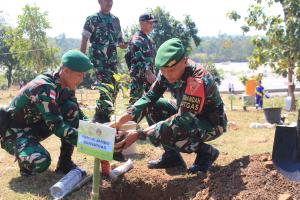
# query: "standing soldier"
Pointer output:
{"type": "Point", "coordinates": [141, 51]}
{"type": "Point", "coordinates": [103, 30]}
{"type": "Point", "coordinates": [46, 105]}
{"type": "Point", "coordinates": [197, 118]}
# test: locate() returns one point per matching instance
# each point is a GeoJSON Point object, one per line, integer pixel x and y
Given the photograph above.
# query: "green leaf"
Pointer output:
{"type": "Point", "coordinates": [117, 77]}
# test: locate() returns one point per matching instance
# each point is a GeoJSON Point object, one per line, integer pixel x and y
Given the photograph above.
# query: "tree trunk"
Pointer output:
{"type": "Point", "coordinates": [291, 84]}
{"type": "Point", "coordinates": [9, 76]}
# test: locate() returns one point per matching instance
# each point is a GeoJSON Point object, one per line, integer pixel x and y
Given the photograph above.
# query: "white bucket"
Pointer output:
{"type": "Point", "coordinates": [130, 125]}
{"type": "Point", "coordinates": [288, 103]}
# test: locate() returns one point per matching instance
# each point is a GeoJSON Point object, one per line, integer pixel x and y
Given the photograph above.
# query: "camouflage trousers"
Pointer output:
{"type": "Point", "coordinates": [183, 133]}
{"type": "Point", "coordinates": [24, 143]}
{"type": "Point", "coordinates": [108, 90]}
{"type": "Point", "coordinates": [136, 91]}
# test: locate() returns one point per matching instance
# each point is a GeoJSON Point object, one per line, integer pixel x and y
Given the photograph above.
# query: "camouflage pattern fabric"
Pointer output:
{"type": "Point", "coordinates": [104, 33]}
{"type": "Point", "coordinates": [142, 57]}
{"type": "Point", "coordinates": [41, 108]}
{"type": "Point", "coordinates": [186, 128]}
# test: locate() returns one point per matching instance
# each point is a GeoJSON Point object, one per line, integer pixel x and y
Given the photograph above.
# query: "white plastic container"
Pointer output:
{"type": "Point", "coordinates": [130, 125]}
{"type": "Point", "coordinates": [66, 183]}
{"type": "Point", "coordinates": [115, 173]}
{"type": "Point", "coordinates": [288, 103]}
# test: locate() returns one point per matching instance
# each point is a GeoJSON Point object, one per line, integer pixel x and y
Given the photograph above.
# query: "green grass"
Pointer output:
{"type": "Point", "coordinates": [239, 140]}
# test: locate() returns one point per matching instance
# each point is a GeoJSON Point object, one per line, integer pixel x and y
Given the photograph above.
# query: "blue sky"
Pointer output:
{"type": "Point", "coordinates": [68, 16]}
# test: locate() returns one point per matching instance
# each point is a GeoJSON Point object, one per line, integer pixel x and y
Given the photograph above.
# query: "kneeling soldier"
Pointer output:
{"type": "Point", "coordinates": [46, 105]}
{"type": "Point", "coordinates": [196, 117]}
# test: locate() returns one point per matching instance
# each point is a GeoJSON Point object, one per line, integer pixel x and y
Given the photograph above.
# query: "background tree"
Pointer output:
{"type": "Point", "coordinates": [7, 60]}
{"type": "Point", "coordinates": [168, 27]}
{"type": "Point", "coordinates": [30, 41]}
{"type": "Point", "coordinates": [280, 48]}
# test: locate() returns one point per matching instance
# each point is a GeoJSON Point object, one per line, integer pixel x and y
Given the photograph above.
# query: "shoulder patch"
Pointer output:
{"type": "Point", "coordinates": [194, 96]}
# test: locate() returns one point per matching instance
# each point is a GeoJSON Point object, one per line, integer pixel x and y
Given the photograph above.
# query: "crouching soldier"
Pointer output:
{"type": "Point", "coordinates": [46, 105]}
{"type": "Point", "coordinates": [196, 118]}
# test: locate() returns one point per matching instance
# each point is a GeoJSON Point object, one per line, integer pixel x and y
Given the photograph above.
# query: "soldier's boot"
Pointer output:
{"type": "Point", "coordinates": [65, 163]}
{"type": "Point", "coordinates": [206, 155]}
{"type": "Point", "coordinates": [25, 172]}
{"type": "Point", "coordinates": [118, 156]}
{"type": "Point", "coordinates": [170, 158]}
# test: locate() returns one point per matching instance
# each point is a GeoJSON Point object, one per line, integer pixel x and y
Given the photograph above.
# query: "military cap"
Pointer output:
{"type": "Point", "coordinates": [147, 17]}
{"type": "Point", "coordinates": [169, 53]}
{"type": "Point", "coordinates": [76, 61]}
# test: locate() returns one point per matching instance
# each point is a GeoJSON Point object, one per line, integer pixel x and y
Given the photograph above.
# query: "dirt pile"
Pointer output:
{"type": "Point", "coordinates": [250, 177]}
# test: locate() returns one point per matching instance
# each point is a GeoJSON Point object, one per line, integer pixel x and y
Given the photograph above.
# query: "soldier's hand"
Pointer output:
{"type": "Point", "coordinates": [123, 45]}
{"type": "Point", "coordinates": [150, 76]}
{"type": "Point", "coordinates": [120, 141]}
{"type": "Point", "coordinates": [130, 138]}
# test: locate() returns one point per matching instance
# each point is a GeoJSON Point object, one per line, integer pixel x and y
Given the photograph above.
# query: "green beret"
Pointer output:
{"type": "Point", "coordinates": [169, 53]}
{"type": "Point", "coordinates": [76, 61]}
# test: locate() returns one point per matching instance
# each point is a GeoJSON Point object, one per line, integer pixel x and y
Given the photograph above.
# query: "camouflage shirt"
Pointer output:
{"type": "Point", "coordinates": [40, 102]}
{"type": "Point", "coordinates": [194, 81]}
{"type": "Point", "coordinates": [104, 33]}
{"type": "Point", "coordinates": [142, 57]}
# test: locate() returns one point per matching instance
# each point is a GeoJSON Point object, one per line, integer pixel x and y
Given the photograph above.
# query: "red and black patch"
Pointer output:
{"type": "Point", "coordinates": [193, 98]}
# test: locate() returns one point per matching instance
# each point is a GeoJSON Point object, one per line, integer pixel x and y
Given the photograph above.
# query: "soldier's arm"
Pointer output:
{"type": "Point", "coordinates": [121, 42]}
{"type": "Point", "coordinates": [136, 111]}
{"type": "Point", "coordinates": [83, 46]}
{"type": "Point", "coordinates": [141, 63]}
{"type": "Point", "coordinates": [86, 34]}
{"type": "Point", "coordinates": [46, 104]}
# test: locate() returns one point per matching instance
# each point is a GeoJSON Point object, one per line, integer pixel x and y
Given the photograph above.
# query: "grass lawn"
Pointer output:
{"type": "Point", "coordinates": [239, 140]}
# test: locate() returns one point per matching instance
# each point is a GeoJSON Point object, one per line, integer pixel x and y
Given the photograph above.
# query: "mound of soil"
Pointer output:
{"type": "Point", "coordinates": [250, 177]}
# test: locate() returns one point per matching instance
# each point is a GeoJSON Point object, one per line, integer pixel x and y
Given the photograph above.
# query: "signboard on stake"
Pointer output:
{"type": "Point", "coordinates": [96, 140]}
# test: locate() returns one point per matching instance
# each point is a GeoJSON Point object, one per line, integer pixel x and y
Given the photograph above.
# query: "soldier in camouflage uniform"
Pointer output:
{"type": "Point", "coordinates": [197, 117]}
{"type": "Point", "coordinates": [141, 50]}
{"type": "Point", "coordinates": [46, 105]}
{"type": "Point", "coordinates": [103, 30]}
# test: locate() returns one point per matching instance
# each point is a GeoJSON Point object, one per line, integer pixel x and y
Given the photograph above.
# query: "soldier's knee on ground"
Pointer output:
{"type": "Point", "coordinates": [35, 163]}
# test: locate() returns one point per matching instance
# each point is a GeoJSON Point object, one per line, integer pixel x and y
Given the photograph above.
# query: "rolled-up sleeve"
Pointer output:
{"type": "Point", "coordinates": [88, 28]}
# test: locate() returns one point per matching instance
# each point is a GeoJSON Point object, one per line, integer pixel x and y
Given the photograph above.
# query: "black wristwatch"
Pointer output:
{"type": "Point", "coordinates": [141, 134]}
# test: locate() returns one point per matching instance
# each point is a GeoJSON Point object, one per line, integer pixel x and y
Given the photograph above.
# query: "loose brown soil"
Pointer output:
{"type": "Point", "coordinates": [248, 178]}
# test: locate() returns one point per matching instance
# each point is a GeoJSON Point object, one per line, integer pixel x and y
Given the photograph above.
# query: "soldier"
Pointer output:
{"type": "Point", "coordinates": [141, 51]}
{"type": "Point", "coordinates": [197, 117]}
{"type": "Point", "coordinates": [103, 30]}
{"type": "Point", "coordinates": [46, 105]}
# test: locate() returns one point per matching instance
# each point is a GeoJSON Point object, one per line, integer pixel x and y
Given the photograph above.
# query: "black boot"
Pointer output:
{"type": "Point", "coordinates": [118, 156]}
{"type": "Point", "coordinates": [206, 155]}
{"type": "Point", "coordinates": [24, 171]}
{"type": "Point", "coordinates": [170, 158]}
{"type": "Point", "coordinates": [65, 163]}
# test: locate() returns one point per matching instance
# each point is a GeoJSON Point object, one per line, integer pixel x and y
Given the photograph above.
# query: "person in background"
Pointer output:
{"type": "Point", "coordinates": [103, 30]}
{"type": "Point", "coordinates": [141, 59]}
{"type": "Point", "coordinates": [259, 95]}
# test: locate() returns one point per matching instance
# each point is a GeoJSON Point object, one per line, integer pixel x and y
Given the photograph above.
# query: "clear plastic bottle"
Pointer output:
{"type": "Point", "coordinates": [66, 183]}
{"type": "Point", "coordinates": [115, 173]}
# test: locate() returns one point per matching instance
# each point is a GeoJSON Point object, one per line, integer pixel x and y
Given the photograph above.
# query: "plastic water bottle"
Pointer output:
{"type": "Point", "coordinates": [115, 173]}
{"type": "Point", "coordinates": [66, 183]}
